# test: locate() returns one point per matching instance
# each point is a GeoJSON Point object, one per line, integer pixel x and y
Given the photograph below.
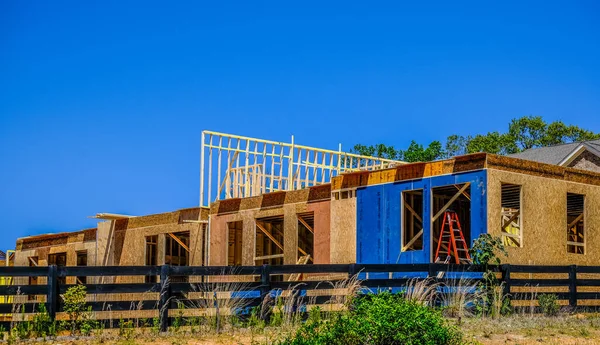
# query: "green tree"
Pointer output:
{"type": "Point", "coordinates": [379, 150]}
{"type": "Point", "coordinates": [492, 142]}
{"type": "Point", "coordinates": [523, 133]}
{"type": "Point", "coordinates": [456, 145]}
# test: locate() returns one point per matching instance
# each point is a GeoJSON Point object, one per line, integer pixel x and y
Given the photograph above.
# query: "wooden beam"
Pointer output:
{"type": "Point", "coordinates": [512, 219]}
{"type": "Point", "coordinates": [575, 221]}
{"type": "Point", "coordinates": [464, 193]}
{"type": "Point", "coordinates": [267, 257]}
{"type": "Point", "coordinates": [447, 205]}
{"type": "Point", "coordinates": [259, 226]}
{"type": "Point", "coordinates": [227, 172]}
{"type": "Point", "coordinates": [408, 207]}
{"type": "Point", "coordinates": [180, 242]}
{"type": "Point", "coordinates": [306, 224]}
{"type": "Point", "coordinates": [31, 261]}
{"type": "Point", "coordinates": [413, 240]}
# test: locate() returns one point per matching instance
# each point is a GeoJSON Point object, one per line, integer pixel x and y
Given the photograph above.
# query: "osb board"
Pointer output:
{"type": "Point", "coordinates": [56, 239]}
{"type": "Point", "coordinates": [272, 200]}
{"type": "Point", "coordinates": [409, 171]}
{"type": "Point", "coordinates": [460, 164]}
{"type": "Point", "coordinates": [542, 170]}
{"type": "Point", "coordinates": [343, 231]}
{"type": "Point", "coordinates": [130, 246]}
{"type": "Point", "coordinates": [289, 212]}
{"type": "Point", "coordinates": [162, 218]}
{"type": "Point", "coordinates": [322, 231]}
{"type": "Point", "coordinates": [175, 217]}
{"type": "Point", "coordinates": [544, 219]}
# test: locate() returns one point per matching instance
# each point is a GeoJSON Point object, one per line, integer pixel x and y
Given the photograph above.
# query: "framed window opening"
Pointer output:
{"type": "Point", "coordinates": [177, 252]}
{"type": "Point", "coordinates": [234, 248]}
{"type": "Point", "coordinates": [511, 216]}
{"type": "Point", "coordinates": [412, 220]}
{"type": "Point", "coordinates": [575, 223]}
{"type": "Point", "coordinates": [81, 261]}
{"type": "Point", "coordinates": [151, 256]}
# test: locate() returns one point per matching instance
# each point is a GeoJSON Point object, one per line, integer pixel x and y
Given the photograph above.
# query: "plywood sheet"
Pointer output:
{"type": "Point", "coordinates": [544, 218]}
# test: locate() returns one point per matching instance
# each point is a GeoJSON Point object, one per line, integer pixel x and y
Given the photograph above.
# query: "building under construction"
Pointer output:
{"type": "Point", "coordinates": [266, 202]}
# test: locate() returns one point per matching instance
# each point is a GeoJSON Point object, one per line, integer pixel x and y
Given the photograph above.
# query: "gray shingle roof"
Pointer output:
{"type": "Point", "coordinates": [557, 153]}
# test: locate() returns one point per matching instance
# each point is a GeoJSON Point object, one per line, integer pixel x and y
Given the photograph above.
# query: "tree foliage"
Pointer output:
{"type": "Point", "coordinates": [523, 133]}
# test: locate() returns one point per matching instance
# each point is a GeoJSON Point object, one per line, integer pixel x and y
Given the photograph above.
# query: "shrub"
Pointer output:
{"type": "Point", "coordinates": [549, 304]}
{"type": "Point", "coordinates": [379, 319]}
{"type": "Point", "coordinates": [80, 315]}
{"type": "Point", "coordinates": [42, 324]}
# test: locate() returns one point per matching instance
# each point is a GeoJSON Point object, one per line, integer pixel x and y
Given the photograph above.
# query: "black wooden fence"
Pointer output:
{"type": "Point", "coordinates": [565, 280]}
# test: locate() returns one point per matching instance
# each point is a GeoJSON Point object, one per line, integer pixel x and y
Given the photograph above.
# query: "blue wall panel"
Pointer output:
{"type": "Point", "coordinates": [379, 217]}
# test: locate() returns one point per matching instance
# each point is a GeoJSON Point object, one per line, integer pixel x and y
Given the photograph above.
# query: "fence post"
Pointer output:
{"type": "Point", "coordinates": [164, 298]}
{"type": "Point", "coordinates": [573, 286]}
{"type": "Point", "coordinates": [506, 279]}
{"type": "Point", "coordinates": [265, 282]}
{"type": "Point", "coordinates": [351, 271]}
{"type": "Point", "coordinates": [52, 297]}
{"type": "Point", "coordinates": [432, 272]}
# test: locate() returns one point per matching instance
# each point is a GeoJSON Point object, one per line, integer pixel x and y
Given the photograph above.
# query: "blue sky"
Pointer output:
{"type": "Point", "coordinates": [102, 103]}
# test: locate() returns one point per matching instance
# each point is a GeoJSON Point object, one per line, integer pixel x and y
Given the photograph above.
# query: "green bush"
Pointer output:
{"type": "Point", "coordinates": [379, 319]}
{"type": "Point", "coordinates": [42, 324]}
{"type": "Point", "coordinates": [80, 314]}
{"type": "Point", "coordinates": [549, 304]}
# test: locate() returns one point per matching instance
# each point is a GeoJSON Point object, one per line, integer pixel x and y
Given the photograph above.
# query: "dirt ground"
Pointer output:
{"type": "Point", "coordinates": [515, 330]}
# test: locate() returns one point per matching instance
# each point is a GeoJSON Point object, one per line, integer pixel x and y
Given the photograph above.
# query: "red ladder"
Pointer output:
{"type": "Point", "coordinates": [452, 237]}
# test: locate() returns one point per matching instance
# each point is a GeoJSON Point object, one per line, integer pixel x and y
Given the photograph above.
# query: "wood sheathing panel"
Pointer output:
{"type": "Point", "coordinates": [272, 200]}
{"type": "Point", "coordinates": [543, 212]}
{"type": "Point", "coordinates": [121, 242]}
{"type": "Point", "coordinates": [460, 164]}
{"type": "Point", "coordinates": [279, 204]}
{"type": "Point", "coordinates": [56, 239]}
{"type": "Point", "coordinates": [409, 172]}
{"type": "Point", "coordinates": [343, 231]}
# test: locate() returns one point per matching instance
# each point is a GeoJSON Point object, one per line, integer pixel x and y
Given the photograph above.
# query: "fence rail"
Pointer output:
{"type": "Point", "coordinates": [173, 284]}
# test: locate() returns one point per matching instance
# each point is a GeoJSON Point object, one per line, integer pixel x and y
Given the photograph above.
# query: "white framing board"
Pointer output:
{"type": "Point", "coordinates": [233, 166]}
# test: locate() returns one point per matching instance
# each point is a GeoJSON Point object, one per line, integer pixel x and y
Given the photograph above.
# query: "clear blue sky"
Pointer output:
{"type": "Point", "coordinates": [102, 102]}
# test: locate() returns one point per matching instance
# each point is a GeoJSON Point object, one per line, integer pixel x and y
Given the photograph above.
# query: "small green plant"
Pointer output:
{"type": "Point", "coordinates": [12, 337]}
{"type": "Point", "coordinates": [126, 329]}
{"type": "Point", "coordinates": [584, 332]}
{"type": "Point", "coordinates": [178, 321]}
{"type": "Point", "coordinates": [277, 316]}
{"type": "Point", "coordinates": [24, 328]}
{"type": "Point", "coordinates": [254, 321]}
{"type": "Point", "coordinates": [486, 251]}
{"type": "Point", "coordinates": [315, 315]}
{"type": "Point", "coordinates": [155, 326]}
{"type": "Point", "coordinates": [42, 324]}
{"type": "Point", "coordinates": [75, 307]}
{"type": "Point", "coordinates": [549, 304]}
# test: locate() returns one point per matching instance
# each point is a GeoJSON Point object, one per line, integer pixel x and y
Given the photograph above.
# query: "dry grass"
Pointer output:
{"type": "Point", "coordinates": [421, 291]}
{"type": "Point", "coordinates": [459, 297]}
{"type": "Point", "coordinates": [519, 329]}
